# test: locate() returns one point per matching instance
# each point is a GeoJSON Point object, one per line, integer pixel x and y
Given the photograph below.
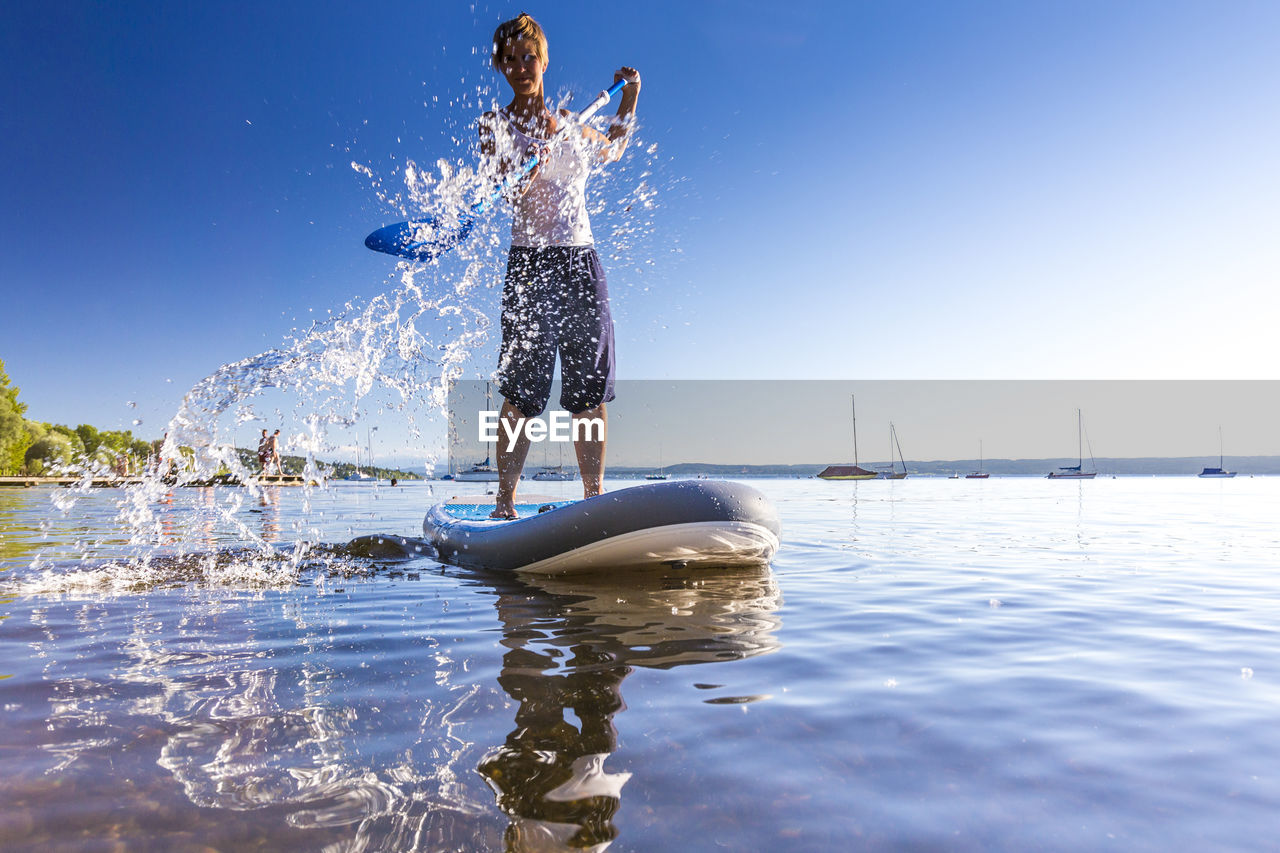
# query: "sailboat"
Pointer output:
{"type": "Point", "coordinates": [557, 473]}
{"type": "Point", "coordinates": [849, 472]}
{"type": "Point", "coordinates": [979, 474]}
{"type": "Point", "coordinates": [661, 473]}
{"type": "Point", "coordinates": [359, 475]}
{"type": "Point", "coordinates": [1219, 472]}
{"type": "Point", "coordinates": [480, 472]}
{"type": "Point", "coordinates": [1077, 472]}
{"type": "Point", "coordinates": [893, 473]}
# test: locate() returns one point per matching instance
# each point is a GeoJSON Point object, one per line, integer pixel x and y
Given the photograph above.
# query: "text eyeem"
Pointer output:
{"type": "Point", "coordinates": [560, 426]}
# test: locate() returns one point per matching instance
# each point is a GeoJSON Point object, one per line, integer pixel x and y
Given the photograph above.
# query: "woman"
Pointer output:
{"type": "Point", "coordinates": [556, 298]}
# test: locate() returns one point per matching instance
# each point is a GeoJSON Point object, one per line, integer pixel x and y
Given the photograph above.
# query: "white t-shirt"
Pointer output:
{"type": "Point", "coordinates": [553, 211]}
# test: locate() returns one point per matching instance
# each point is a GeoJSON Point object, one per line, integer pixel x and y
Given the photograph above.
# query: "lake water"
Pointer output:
{"type": "Point", "coordinates": [1010, 664]}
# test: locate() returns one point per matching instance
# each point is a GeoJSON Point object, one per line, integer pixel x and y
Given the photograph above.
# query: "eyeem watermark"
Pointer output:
{"type": "Point", "coordinates": [560, 426]}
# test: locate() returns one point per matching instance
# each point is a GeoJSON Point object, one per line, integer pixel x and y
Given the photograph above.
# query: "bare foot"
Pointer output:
{"type": "Point", "coordinates": [504, 508]}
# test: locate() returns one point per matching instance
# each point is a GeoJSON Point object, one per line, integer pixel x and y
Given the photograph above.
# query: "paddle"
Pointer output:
{"type": "Point", "coordinates": [424, 239]}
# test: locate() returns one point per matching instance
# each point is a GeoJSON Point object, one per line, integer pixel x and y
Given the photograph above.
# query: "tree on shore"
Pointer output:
{"type": "Point", "coordinates": [32, 447]}
{"type": "Point", "coordinates": [54, 453]}
{"type": "Point", "coordinates": [14, 437]}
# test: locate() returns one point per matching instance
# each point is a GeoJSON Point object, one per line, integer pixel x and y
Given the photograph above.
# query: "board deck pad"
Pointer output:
{"type": "Point", "coordinates": [490, 500]}
{"type": "Point", "coordinates": [478, 507]}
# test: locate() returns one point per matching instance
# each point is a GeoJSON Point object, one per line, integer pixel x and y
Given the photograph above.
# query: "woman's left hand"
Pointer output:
{"type": "Point", "coordinates": [632, 77]}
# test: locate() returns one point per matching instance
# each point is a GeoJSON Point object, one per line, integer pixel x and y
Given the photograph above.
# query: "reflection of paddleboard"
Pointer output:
{"type": "Point", "coordinates": [693, 522]}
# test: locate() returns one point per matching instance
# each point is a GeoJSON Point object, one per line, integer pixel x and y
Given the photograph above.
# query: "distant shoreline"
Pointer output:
{"type": "Point", "coordinates": [1181, 466]}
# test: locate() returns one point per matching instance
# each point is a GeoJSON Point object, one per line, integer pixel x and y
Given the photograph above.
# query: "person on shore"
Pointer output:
{"type": "Point", "coordinates": [157, 464]}
{"type": "Point", "coordinates": [555, 299]}
{"type": "Point", "coordinates": [273, 453]}
{"type": "Point", "coordinates": [263, 455]}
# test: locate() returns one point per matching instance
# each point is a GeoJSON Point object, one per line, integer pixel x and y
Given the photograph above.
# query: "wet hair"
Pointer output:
{"type": "Point", "coordinates": [523, 26]}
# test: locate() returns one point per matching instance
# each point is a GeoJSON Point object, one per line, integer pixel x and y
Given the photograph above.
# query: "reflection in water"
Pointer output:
{"type": "Point", "coordinates": [279, 722]}
{"type": "Point", "coordinates": [269, 510]}
{"type": "Point", "coordinates": [570, 644]}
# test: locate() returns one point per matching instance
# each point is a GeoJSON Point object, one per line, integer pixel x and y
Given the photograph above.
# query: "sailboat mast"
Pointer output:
{"type": "Point", "coordinates": [894, 432]}
{"type": "Point", "coordinates": [1220, 465]}
{"type": "Point", "coordinates": [490, 449]}
{"type": "Point", "coordinates": [854, 402]}
{"type": "Point", "coordinates": [1080, 439]}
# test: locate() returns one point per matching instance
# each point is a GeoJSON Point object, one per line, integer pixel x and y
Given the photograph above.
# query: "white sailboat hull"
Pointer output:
{"type": "Point", "coordinates": [476, 477]}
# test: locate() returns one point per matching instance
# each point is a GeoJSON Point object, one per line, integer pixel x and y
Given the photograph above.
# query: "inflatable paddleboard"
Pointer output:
{"type": "Point", "coordinates": [676, 523]}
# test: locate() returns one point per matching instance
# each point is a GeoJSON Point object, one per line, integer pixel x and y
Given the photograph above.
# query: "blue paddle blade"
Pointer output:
{"type": "Point", "coordinates": [419, 241]}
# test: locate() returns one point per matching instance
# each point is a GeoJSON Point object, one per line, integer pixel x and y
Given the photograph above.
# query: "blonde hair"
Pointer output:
{"type": "Point", "coordinates": [523, 26]}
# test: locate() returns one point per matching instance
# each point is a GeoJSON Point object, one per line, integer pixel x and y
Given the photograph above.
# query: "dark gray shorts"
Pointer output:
{"type": "Point", "coordinates": [556, 299]}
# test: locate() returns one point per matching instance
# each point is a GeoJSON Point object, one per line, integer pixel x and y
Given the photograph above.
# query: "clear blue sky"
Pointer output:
{"type": "Point", "coordinates": [845, 190]}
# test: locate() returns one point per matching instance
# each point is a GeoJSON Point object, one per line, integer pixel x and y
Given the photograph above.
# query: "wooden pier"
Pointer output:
{"type": "Point", "coordinates": [119, 482]}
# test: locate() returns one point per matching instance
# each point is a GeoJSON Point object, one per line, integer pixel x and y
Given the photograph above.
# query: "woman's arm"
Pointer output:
{"type": "Point", "coordinates": [620, 128]}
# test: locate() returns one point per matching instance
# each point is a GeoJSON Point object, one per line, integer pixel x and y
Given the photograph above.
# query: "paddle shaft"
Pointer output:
{"type": "Point", "coordinates": [527, 166]}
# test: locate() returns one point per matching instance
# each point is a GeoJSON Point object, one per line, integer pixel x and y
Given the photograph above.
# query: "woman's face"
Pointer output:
{"type": "Point", "coordinates": [519, 63]}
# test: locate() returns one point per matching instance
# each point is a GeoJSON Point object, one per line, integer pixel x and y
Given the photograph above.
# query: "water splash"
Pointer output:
{"type": "Point", "coordinates": [396, 353]}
